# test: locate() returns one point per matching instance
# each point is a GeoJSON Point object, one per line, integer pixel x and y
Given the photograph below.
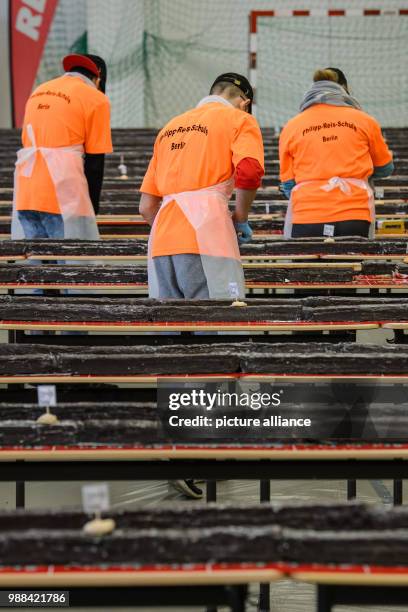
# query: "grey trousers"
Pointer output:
{"type": "Point", "coordinates": [181, 277]}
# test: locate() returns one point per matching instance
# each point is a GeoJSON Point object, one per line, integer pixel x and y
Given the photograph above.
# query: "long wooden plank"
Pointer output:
{"type": "Point", "coordinates": [250, 285]}
{"type": "Point", "coordinates": [247, 454]}
{"type": "Point", "coordinates": [277, 236]}
{"type": "Point", "coordinates": [396, 325]}
{"type": "Point", "coordinates": [245, 258]}
{"type": "Point", "coordinates": [118, 218]}
{"type": "Point", "coordinates": [71, 257]}
{"type": "Point", "coordinates": [307, 266]}
{"type": "Point", "coordinates": [153, 379]}
{"type": "Point", "coordinates": [182, 326]}
{"type": "Point", "coordinates": [120, 578]}
{"type": "Point", "coordinates": [363, 257]}
{"type": "Point", "coordinates": [366, 578]}
{"type": "Point", "coordinates": [144, 257]}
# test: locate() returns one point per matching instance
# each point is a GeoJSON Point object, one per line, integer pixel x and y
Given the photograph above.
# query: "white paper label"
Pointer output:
{"type": "Point", "coordinates": [233, 290]}
{"type": "Point", "coordinates": [47, 396]}
{"type": "Point", "coordinates": [328, 230]}
{"type": "Point", "coordinates": [95, 498]}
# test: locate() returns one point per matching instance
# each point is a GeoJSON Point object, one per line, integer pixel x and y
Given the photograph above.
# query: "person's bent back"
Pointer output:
{"type": "Point", "coordinates": [328, 152]}
{"type": "Point", "coordinates": [193, 245]}
{"type": "Point", "coordinates": [59, 172]}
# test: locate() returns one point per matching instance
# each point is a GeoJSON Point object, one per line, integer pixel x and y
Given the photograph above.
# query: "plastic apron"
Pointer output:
{"type": "Point", "coordinates": [334, 183]}
{"type": "Point", "coordinates": [208, 213]}
{"type": "Point", "coordinates": [66, 168]}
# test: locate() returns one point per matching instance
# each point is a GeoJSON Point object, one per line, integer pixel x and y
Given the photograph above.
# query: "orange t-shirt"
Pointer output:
{"type": "Point", "coordinates": [63, 112]}
{"type": "Point", "coordinates": [197, 149]}
{"type": "Point", "coordinates": [326, 141]}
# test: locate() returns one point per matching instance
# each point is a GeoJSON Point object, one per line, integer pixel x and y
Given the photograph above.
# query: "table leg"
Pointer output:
{"type": "Point", "coordinates": [211, 491]}
{"type": "Point", "coordinates": [211, 496]}
{"type": "Point", "coordinates": [264, 589]}
{"type": "Point", "coordinates": [324, 598]}
{"type": "Point", "coordinates": [397, 492]}
{"type": "Point", "coordinates": [351, 489]}
{"type": "Point", "coordinates": [237, 597]}
{"type": "Point", "coordinates": [20, 492]}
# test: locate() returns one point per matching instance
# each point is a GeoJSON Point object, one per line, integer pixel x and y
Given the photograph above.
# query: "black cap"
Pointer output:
{"type": "Point", "coordinates": [341, 76]}
{"type": "Point", "coordinates": [239, 81]}
{"type": "Point", "coordinates": [103, 71]}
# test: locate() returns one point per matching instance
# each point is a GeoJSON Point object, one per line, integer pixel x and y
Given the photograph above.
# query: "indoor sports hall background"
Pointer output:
{"type": "Point", "coordinates": [163, 54]}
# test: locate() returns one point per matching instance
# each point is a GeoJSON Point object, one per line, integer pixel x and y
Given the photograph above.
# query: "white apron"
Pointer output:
{"type": "Point", "coordinates": [334, 183]}
{"type": "Point", "coordinates": [207, 211]}
{"type": "Point", "coordinates": [66, 168]}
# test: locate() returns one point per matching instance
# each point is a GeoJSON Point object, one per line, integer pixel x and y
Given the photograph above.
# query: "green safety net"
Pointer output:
{"type": "Point", "coordinates": [162, 55]}
{"type": "Point", "coordinates": [371, 51]}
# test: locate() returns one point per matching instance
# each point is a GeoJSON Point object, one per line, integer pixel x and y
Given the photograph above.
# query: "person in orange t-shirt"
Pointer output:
{"type": "Point", "coordinates": [328, 153]}
{"type": "Point", "coordinates": [198, 158]}
{"type": "Point", "coordinates": [59, 172]}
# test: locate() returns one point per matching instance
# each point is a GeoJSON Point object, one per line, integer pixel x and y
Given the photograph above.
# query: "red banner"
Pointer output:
{"type": "Point", "coordinates": [30, 22]}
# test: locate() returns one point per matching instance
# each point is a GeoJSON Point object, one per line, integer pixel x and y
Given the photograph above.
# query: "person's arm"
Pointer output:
{"type": "Point", "coordinates": [243, 203]}
{"type": "Point", "coordinates": [287, 175]}
{"type": "Point", "coordinates": [286, 188]}
{"type": "Point", "coordinates": [150, 199]}
{"type": "Point", "coordinates": [380, 153]}
{"type": "Point", "coordinates": [94, 169]}
{"type": "Point", "coordinates": [98, 141]}
{"type": "Point", "coordinates": [149, 206]}
{"type": "Point", "coordinates": [248, 159]}
{"type": "Point", "coordinates": [248, 175]}
{"type": "Point", "coordinates": [383, 171]}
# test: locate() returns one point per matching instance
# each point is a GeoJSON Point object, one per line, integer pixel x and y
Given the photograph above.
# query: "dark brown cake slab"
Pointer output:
{"type": "Point", "coordinates": [318, 516]}
{"type": "Point", "coordinates": [377, 268]}
{"type": "Point", "coordinates": [136, 310]}
{"type": "Point", "coordinates": [67, 274]}
{"type": "Point", "coordinates": [80, 432]}
{"type": "Point", "coordinates": [314, 358]}
{"type": "Point", "coordinates": [123, 310]}
{"type": "Point", "coordinates": [83, 411]}
{"type": "Point", "coordinates": [120, 361]}
{"type": "Point", "coordinates": [385, 246]}
{"type": "Point", "coordinates": [341, 246]}
{"type": "Point", "coordinates": [111, 275]}
{"type": "Point", "coordinates": [304, 275]}
{"type": "Point", "coordinates": [227, 544]}
{"type": "Point", "coordinates": [377, 548]}
{"type": "Point", "coordinates": [141, 547]}
{"type": "Point", "coordinates": [358, 312]}
{"type": "Point", "coordinates": [290, 358]}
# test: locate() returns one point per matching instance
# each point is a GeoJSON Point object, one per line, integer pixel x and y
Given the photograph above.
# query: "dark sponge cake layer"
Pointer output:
{"type": "Point", "coordinates": [147, 311]}
{"type": "Point", "coordinates": [316, 516]}
{"type": "Point", "coordinates": [323, 358]}
{"type": "Point", "coordinates": [71, 274]}
{"type": "Point", "coordinates": [246, 357]}
{"type": "Point", "coordinates": [301, 534]}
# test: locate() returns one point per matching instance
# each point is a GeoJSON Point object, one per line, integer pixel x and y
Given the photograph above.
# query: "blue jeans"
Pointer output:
{"type": "Point", "coordinates": [38, 224]}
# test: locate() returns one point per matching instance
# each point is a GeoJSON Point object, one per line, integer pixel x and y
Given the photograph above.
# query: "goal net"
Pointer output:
{"type": "Point", "coordinates": [162, 55]}
{"type": "Point", "coordinates": [370, 48]}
